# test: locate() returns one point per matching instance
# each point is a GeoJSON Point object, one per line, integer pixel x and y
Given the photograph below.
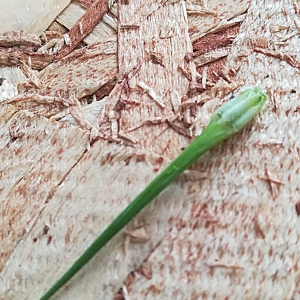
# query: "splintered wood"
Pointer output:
{"type": "Point", "coordinates": [84, 26]}
{"type": "Point", "coordinates": [105, 28]}
{"type": "Point", "coordinates": [251, 246]}
{"type": "Point", "coordinates": [140, 94]}
{"type": "Point", "coordinates": [19, 50]}
{"type": "Point", "coordinates": [283, 56]}
{"type": "Point", "coordinates": [225, 16]}
{"type": "Point", "coordinates": [126, 107]}
{"type": "Point", "coordinates": [27, 166]}
{"type": "Point", "coordinates": [75, 76]}
{"type": "Point", "coordinates": [15, 58]}
{"type": "Point", "coordinates": [12, 38]}
{"type": "Point", "coordinates": [209, 55]}
{"type": "Point", "coordinates": [64, 82]}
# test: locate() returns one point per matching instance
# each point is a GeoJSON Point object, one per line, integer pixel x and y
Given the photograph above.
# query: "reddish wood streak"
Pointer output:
{"type": "Point", "coordinates": [297, 207]}
{"type": "Point", "coordinates": [158, 163]}
{"type": "Point", "coordinates": [213, 41]}
{"type": "Point", "coordinates": [15, 57]}
{"type": "Point", "coordinates": [84, 26]}
{"type": "Point", "coordinates": [49, 240]}
{"type": "Point", "coordinates": [46, 229]}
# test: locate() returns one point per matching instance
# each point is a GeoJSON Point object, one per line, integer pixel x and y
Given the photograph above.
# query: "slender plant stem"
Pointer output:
{"type": "Point", "coordinates": [227, 120]}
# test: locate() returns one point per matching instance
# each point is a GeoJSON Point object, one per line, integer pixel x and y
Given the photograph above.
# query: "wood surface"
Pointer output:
{"type": "Point", "coordinates": [71, 159]}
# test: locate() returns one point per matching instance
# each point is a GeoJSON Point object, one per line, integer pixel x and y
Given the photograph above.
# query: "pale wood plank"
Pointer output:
{"type": "Point", "coordinates": [117, 179]}
{"type": "Point", "coordinates": [33, 16]}
{"type": "Point", "coordinates": [228, 235]}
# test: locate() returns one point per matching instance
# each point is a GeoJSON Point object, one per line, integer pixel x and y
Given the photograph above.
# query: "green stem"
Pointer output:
{"type": "Point", "coordinates": [226, 121]}
{"type": "Point", "coordinates": [210, 137]}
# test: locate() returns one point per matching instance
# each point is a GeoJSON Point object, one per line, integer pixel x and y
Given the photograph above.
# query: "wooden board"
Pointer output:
{"type": "Point", "coordinates": [227, 228]}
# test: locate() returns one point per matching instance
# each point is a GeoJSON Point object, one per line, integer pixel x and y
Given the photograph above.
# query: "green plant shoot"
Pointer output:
{"type": "Point", "coordinates": [225, 121]}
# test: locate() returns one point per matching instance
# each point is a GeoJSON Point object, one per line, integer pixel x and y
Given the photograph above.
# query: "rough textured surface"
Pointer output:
{"type": "Point", "coordinates": [241, 236]}
{"type": "Point", "coordinates": [83, 26]}
{"type": "Point", "coordinates": [79, 74]}
{"type": "Point", "coordinates": [105, 28]}
{"type": "Point", "coordinates": [82, 72]}
{"type": "Point", "coordinates": [227, 228]}
{"type": "Point", "coordinates": [29, 143]}
{"type": "Point", "coordinates": [224, 12]}
{"type": "Point", "coordinates": [71, 231]}
{"type": "Point", "coordinates": [38, 61]}
{"type": "Point", "coordinates": [9, 39]}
